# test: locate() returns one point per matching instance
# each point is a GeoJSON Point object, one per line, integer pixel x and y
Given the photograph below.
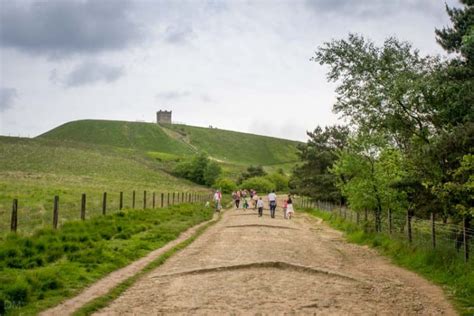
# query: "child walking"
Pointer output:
{"type": "Point", "coordinates": [260, 207]}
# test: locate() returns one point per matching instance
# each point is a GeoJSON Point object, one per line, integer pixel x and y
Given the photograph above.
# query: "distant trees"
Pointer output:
{"type": "Point", "coordinates": [412, 125]}
{"type": "Point", "coordinates": [199, 169]}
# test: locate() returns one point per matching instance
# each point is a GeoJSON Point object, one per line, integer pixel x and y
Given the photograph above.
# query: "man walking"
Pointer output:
{"type": "Point", "coordinates": [273, 203]}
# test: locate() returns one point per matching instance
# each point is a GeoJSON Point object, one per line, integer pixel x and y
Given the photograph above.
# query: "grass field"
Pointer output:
{"type": "Point", "coordinates": [38, 271]}
{"type": "Point", "coordinates": [34, 170]}
{"type": "Point", "coordinates": [241, 148]}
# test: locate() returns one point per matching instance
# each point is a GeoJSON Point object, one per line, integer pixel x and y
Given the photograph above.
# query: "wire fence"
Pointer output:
{"type": "Point", "coordinates": [422, 233]}
{"type": "Point", "coordinates": [55, 212]}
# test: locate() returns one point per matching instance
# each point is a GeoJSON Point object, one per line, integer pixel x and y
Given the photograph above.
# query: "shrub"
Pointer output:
{"type": "Point", "coordinates": [200, 169]}
{"type": "Point", "coordinates": [226, 185]}
{"type": "Point", "coordinates": [279, 180]}
{"type": "Point", "coordinates": [260, 184]}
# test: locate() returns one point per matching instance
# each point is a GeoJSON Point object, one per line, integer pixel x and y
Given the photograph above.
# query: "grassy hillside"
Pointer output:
{"type": "Point", "coordinates": [179, 140]}
{"type": "Point", "coordinates": [132, 135]}
{"type": "Point", "coordinates": [34, 170]}
{"type": "Point", "coordinates": [238, 147]}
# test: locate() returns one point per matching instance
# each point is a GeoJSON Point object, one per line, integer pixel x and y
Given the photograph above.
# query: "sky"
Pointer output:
{"type": "Point", "coordinates": [237, 65]}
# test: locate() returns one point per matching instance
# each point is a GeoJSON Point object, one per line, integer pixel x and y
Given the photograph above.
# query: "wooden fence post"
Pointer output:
{"type": "Point", "coordinates": [56, 212]}
{"type": "Point", "coordinates": [162, 199]}
{"type": "Point", "coordinates": [465, 240]}
{"type": "Point", "coordinates": [154, 199]}
{"type": "Point", "coordinates": [14, 219]}
{"type": "Point", "coordinates": [390, 221]}
{"type": "Point", "coordinates": [104, 203]}
{"type": "Point", "coordinates": [173, 198]}
{"type": "Point", "coordinates": [433, 230]}
{"type": "Point", "coordinates": [83, 206]}
{"type": "Point", "coordinates": [182, 197]}
{"type": "Point", "coordinates": [168, 201]}
{"type": "Point", "coordinates": [144, 199]}
{"type": "Point", "coordinates": [121, 201]}
{"type": "Point", "coordinates": [133, 199]}
{"type": "Point", "coordinates": [409, 233]}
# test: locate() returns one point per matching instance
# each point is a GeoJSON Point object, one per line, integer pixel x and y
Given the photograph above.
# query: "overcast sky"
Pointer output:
{"type": "Point", "coordinates": [238, 65]}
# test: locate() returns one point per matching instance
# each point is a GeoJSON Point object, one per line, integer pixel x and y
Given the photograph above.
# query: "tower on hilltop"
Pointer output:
{"type": "Point", "coordinates": [163, 117]}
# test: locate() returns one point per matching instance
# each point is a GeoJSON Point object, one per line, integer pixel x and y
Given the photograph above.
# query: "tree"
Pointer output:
{"type": "Point", "coordinates": [252, 171]}
{"type": "Point", "coordinates": [199, 169]}
{"type": "Point", "coordinates": [318, 155]}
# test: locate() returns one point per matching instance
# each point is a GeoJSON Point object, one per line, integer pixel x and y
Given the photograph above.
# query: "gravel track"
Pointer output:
{"type": "Point", "coordinates": [250, 265]}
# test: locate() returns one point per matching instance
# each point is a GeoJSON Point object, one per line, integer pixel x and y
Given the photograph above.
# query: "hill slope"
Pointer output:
{"type": "Point", "coordinates": [181, 140]}
{"type": "Point", "coordinates": [134, 135]}
{"type": "Point", "coordinates": [239, 147]}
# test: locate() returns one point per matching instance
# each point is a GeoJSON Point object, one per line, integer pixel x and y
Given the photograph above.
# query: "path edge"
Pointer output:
{"type": "Point", "coordinates": [103, 300]}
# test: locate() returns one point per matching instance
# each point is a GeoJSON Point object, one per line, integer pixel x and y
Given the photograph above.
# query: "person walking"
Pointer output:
{"type": "Point", "coordinates": [217, 201]}
{"type": "Point", "coordinates": [237, 199]}
{"type": "Point", "coordinates": [255, 200]}
{"type": "Point", "coordinates": [260, 207]}
{"type": "Point", "coordinates": [290, 211]}
{"type": "Point", "coordinates": [272, 199]}
{"type": "Point", "coordinates": [285, 207]}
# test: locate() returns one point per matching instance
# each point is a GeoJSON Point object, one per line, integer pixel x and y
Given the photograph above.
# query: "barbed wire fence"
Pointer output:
{"type": "Point", "coordinates": [54, 213]}
{"type": "Point", "coordinates": [428, 234]}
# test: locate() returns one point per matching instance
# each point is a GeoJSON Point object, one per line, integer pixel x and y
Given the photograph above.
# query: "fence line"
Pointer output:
{"type": "Point", "coordinates": [89, 208]}
{"type": "Point", "coordinates": [422, 233]}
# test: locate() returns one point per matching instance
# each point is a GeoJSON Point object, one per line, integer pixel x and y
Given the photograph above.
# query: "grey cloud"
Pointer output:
{"type": "Point", "coordinates": [89, 73]}
{"type": "Point", "coordinates": [370, 8]}
{"type": "Point", "coordinates": [59, 28]}
{"type": "Point", "coordinates": [178, 34]}
{"type": "Point", "coordinates": [7, 98]}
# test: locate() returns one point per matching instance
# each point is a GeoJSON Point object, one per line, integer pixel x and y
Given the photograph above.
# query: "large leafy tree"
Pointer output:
{"type": "Point", "coordinates": [318, 155]}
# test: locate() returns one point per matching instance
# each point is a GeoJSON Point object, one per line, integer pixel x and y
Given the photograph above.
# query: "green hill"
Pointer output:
{"type": "Point", "coordinates": [239, 147]}
{"type": "Point", "coordinates": [34, 170]}
{"type": "Point", "coordinates": [180, 140]}
{"type": "Point", "coordinates": [133, 135]}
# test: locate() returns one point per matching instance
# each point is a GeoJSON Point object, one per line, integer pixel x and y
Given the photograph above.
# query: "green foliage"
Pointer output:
{"type": "Point", "coordinates": [40, 270]}
{"type": "Point", "coordinates": [260, 184]}
{"type": "Point", "coordinates": [226, 185]}
{"type": "Point", "coordinates": [251, 172]}
{"type": "Point", "coordinates": [312, 178]}
{"type": "Point", "coordinates": [280, 181]}
{"type": "Point", "coordinates": [199, 169]}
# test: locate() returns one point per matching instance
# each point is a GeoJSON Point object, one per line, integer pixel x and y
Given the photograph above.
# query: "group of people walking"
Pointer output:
{"type": "Point", "coordinates": [241, 196]}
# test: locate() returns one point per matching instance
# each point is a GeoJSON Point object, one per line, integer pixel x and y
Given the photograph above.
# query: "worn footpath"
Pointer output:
{"type": "Point", "coordinates": [249, 265]}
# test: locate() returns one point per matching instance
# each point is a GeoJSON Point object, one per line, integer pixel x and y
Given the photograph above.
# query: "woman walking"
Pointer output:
{"type": "Point", "coordinates": [289, 208]}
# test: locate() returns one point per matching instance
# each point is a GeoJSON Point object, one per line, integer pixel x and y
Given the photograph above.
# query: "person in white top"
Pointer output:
{"type": "Point", "coordinates": [272, 199]}
{"type": "Point", "coordinates": [260, 207]}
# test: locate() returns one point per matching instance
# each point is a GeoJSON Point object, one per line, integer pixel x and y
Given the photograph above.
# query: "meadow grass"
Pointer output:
{"type": "Point", "coordinates": [135, 135]}
{"type": "Point", "coordinates": [34, 171]}
{"type": "Point", "coordinates": [442, 266]}
{"type": "Point", "coordinates": [239, 147]}
{"type": "Point", "coordinates": [39, 271]}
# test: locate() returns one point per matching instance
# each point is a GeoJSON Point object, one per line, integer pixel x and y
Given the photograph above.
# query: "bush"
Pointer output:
{"type": "Point", "coordinates": [199, 169]}
{"type": "Point", "coordinates": [280, 181]}
{"type": "Point", "coordinates": [260, 184]}
{"type": "Point", "coordinates": [226, 185]}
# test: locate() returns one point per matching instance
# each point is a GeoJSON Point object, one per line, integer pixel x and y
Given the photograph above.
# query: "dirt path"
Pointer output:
{"type": "Point", "coordinates": [104, 285]}
{"type": "Point", "coordinates": [249, 265]}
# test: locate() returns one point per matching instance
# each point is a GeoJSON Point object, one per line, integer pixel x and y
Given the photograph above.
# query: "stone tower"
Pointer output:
{"type": "Point", "coordinates": [163, 117]}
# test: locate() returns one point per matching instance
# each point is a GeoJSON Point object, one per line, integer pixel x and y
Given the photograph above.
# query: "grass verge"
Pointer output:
{"type": "Point", "coordinates": [103, 301]}
{"type": "Point", "coordinates": [441, 266]}
{"type": "Point", "coordinates": [40, 270]}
